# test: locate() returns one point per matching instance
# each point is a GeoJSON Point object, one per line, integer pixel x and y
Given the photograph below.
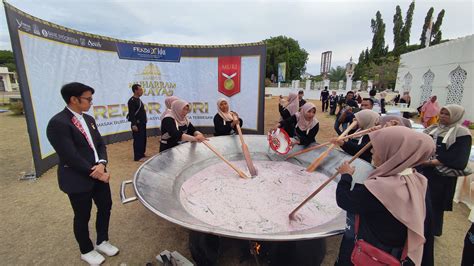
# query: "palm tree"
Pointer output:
{"type": "Point", "coordinates": [338, 73]}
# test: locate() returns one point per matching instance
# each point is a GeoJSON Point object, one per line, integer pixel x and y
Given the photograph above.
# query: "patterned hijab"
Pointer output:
{"type": "Point", "coordinates": [168, 102]}
{"type": "Point", "coordinates": [452, 131]}
{"type": "Point", "coordinates": [293, 103]}
{"type": "Point", "coordinates": [227, 116]}
{"type": "Point", "coordinates": [302, 123]}
{"type": "Point", "coordinates": [398, 187]}
{"type": "Point", "coordinates": [175, 113]}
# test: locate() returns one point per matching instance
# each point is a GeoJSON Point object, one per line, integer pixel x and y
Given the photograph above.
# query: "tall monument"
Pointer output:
{"type": "Point", "coordinates": [325, 67]}
{"type": "Point", "coordinates": [349, 73]}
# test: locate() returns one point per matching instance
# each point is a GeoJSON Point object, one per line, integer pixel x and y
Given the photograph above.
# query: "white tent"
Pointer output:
{"type": "Point", "coordinates": [445, 70]}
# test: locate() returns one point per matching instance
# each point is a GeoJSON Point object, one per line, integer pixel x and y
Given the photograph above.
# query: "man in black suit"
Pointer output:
{"type": "Point", "coordinates": [82, 171]}
{"type": "Point", "coordinates": [137, 116]}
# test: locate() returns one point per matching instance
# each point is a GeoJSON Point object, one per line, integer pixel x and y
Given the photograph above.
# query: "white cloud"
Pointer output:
{"type": "Point", "coordinates": [342, 26]}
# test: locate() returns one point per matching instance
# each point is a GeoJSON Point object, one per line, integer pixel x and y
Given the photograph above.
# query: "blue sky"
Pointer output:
{"type": "Point", "coordinates": [340, 26]}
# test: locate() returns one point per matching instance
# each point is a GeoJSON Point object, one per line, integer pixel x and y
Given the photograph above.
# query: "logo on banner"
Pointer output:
{"type": "Point", "coordinates": [23, 25]}
{"type": "Point", "coordinates": [229, 75]}
{"type": "Point", "coordinates": [153, 82]}
{"type": "Point", "coordinates": [36, 29]}
{"type": "Point", "coordinates": [148, 53]}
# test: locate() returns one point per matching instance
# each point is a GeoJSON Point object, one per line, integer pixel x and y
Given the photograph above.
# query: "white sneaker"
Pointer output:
{"type": "Point", "coordinates": [107, 248]}
{"type": "Point", "coordinates": [93, 258]}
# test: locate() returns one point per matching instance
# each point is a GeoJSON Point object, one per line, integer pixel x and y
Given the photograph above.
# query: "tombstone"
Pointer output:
{"type": "Point", "coordinates": [358, 84]}
{"type": "Point", "coordinates": [350, 67]}
{"type": "Point", "coordinates": [308, 84]}
{"type": "Point", "coordinates": [297, 84]}
{"type": "Point", "coordinates": [369, 84]}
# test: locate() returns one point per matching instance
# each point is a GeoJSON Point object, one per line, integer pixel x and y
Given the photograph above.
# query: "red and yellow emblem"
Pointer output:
{"type": "Point", "coordinates": [229, 75]}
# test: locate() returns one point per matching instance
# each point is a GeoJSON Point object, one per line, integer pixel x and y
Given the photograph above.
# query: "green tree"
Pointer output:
{"type": "Point", "coordinates": [397, 31]}
{"type": "Point", "coordinates": [428, 17]}
{"type": "Point", "coordinates": [436, 31]}
{"type": "Point", "coordinates": [7, 60]}
{"type": "Point", "coordinates": [338, 73]}
{"type": "Point", "coordinates": [407, 26]}
{"type": "Point", "coordinates": [284, 49]}
{"type": "Point", "coordinates": [378, 40]}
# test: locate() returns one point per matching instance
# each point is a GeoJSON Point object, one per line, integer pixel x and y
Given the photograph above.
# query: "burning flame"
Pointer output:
{"type": "Point", "coordinates": [256, 247]}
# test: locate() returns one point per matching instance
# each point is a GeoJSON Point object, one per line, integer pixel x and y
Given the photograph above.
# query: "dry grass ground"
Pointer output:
{"type": "Point", "coordinates": [36, 217]}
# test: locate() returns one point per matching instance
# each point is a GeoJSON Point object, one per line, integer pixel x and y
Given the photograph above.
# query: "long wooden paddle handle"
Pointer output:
{"type": "Point", "coordinates": [239, 130]}
{"type": "Point", "coordinates": [325, 143]}
{"type": "Point", "coordinates": [323, 155]}
{"type": "Point", "coordinates": [241, 174]}
{"type": "Point", "coordinates": [323, 185]}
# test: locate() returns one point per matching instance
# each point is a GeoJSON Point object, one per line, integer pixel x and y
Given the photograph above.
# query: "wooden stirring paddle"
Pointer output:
{"type": "Point", "coordinates": [241, 174]}
{"type": "Point", "coordinates": [245, 150]}
{"type": "Point", "coordinates": [323, 185]}
{"type": "Point", "coordinates": [325, 154]}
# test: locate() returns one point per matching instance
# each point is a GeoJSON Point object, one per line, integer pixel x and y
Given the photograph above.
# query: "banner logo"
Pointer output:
{"type": "Point", "coordinates": [148, 53]}
{"type": "Point", "coordinates": [229, 75]}
{"type": "Point", "coordinates": [153, 82]}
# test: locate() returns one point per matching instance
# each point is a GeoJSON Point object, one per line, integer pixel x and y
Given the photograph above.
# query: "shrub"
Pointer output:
{"type": "Point", "coordinates": [17, 108]}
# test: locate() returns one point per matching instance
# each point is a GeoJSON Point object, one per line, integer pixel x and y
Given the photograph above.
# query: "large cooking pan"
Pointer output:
{"type": "Point", "coordinates": [158, 181]}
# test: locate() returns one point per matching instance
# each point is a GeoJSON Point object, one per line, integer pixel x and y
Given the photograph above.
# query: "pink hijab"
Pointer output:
{"type": "Point", "coordinates": [175, 112]}
{"type": "Point", "coordinates": [168, 102]}
{"type": "Point", "coordinates": [304, 124]}
{"type": "Point", "coordinates": [402, 192]}
{"type": "Point", "coordinates": [430, 109]}
{"type": "Point", "coordinates": [293, 103]}
{"type": "Point", "coordinates": [225, 116]}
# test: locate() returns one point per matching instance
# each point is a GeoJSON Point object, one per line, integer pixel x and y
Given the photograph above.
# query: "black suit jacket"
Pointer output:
{"type": "Point", "coordinates": [76, 157]}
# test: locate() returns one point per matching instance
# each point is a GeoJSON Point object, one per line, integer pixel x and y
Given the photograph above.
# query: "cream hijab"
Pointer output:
{"type": "Point", "coordinates": [302, 123]}
{"type": "Point", "coordinates": [401, 120]}
{"type": "Point", "coordinates": [452, 131]}
{"type": "Point", "coordinates": [366, 118]}
{"type": "Point", "coordinates": [175, 113]}
{"type": "Point", "coordinates": [403, 194]}
{"type": "Point", "coordinates": [226, 116]}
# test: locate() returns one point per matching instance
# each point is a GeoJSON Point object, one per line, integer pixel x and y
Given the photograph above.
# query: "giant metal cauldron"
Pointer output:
{"type": "Point", "coordinates": [158, 181]}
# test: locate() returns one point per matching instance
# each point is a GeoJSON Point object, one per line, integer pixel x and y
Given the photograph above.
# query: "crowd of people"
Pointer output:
{"type": "Point", "coordinates": [398, 209]}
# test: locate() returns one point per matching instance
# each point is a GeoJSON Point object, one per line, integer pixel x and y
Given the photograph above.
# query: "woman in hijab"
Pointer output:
{"type": "Point", "coordinates": [365, 120]}
{"type": "Point", "coordinates": [429, 112]}
{"type": "Point", "coordinates": [453, 145]}
{"type": "Point", "coordinates": [225, 121]}
{"type": "Point", "coordinates": [394, 120]}
{"type": "Point", "coordinates": [176, 128]}
{"type": "Point", "coordinates": [391, 202]}
{"type": "Point", "coordinates": [168, 102]}
{"type": "Point", "coordinates": [307, 126]}
{"type": "Point", "coordinates": [288, 111]}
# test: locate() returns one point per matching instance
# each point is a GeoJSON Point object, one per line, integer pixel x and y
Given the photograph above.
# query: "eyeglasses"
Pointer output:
{"type": "Point", "coordinates": [89, 99]}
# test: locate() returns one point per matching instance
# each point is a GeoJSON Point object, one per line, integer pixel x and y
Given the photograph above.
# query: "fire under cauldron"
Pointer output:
{"type": "Point", "coordinates": [158, 181]}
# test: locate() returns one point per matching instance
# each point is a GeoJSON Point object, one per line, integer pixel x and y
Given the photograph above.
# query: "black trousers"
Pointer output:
{"type": "Point", "coordinates": [332, 110]}
{"type": "Point", "coordinates": [82, 205]}
{"type": "Point", "coordinates": [139, 142]}
{"type": "Point", "coordinates": [325, 105]}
